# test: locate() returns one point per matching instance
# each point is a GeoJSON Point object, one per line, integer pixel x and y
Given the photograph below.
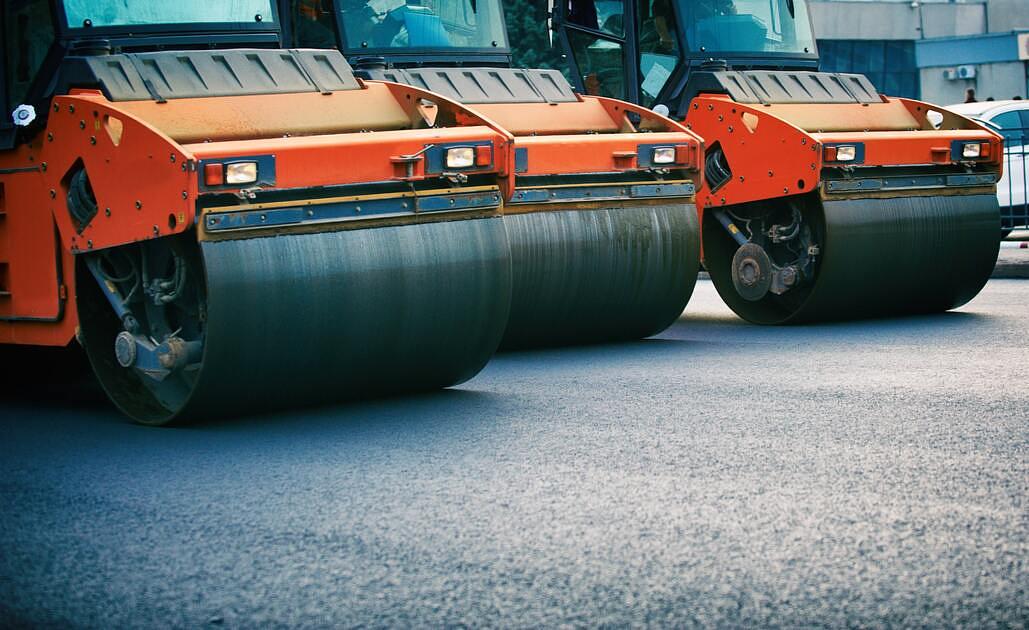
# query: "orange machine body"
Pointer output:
{"type": "Point", "coordinates": [145, 163]}
{"type": "Point", "coordinates": [778, 150]}
{"type": "Point", "coordinates": [590, 136]}
{"type": "Point", "coordinates": [36, 271]}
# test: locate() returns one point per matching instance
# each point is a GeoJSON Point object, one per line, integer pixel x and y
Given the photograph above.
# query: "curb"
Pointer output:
{"type": "Point", "coordinates": [1012, 262]}
{"type": "Point", "coordinates": [1010, 272]}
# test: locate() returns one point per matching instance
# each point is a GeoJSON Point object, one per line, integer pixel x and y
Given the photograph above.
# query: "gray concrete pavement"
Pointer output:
{"type": "Point", "coordinates": [870, 473]}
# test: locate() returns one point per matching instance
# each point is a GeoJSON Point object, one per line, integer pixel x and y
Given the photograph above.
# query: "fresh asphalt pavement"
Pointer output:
{"type": "Point", "coordinates": [870, 473]}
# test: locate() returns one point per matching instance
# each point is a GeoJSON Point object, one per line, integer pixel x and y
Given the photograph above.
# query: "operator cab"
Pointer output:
{"type": "Point", "coordinates": [39, 36]}
{"type": "Point", "coordinates": [402, 33]}
{"type": "Point", "coordinates": [645, 51]}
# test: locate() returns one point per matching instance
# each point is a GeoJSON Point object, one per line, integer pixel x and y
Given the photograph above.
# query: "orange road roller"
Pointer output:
{"type": "Point", "coordinates": [602, 223]}
{"type": "Point", "coordinates": [227, 229]}
{"type": "Point", "coordinates": [822, 199]}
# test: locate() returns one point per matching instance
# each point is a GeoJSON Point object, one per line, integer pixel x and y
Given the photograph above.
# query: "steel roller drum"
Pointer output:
{"type": "Point", "coordinates": [587, 276]}
{"type": "Point", "coordinates": [880, 257]}
{"type": "Point", "coordinates": [299, 319]}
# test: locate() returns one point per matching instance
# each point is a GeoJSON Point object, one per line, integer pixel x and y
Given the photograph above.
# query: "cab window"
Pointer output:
{"type": "Point", "coordinates": [470, 24]}
{"type": "Point", "coordinates": [659, 47]}
{"type": "Point", "coordinates": [80, 13]}
{"type": "Point", "coordinates": [28, 35]}
{"type": "Point", "coordinates": [314, 25]}
{"type": "Point", "coordinates": [597, 41]}
{"type": "Point", "coordinates": [606, 16]}
{"type": "Point", "coordinates": [747, 26]}
{"type": "Point", "coordinates": [601, 62]}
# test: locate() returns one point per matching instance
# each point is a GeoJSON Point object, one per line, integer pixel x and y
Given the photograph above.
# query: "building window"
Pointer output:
{"type": "Point", "coordinates": [889, 65]}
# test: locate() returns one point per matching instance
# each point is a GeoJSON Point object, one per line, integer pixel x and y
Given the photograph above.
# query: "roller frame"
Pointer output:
{"type": "Point", "coordinates": [779, 158]}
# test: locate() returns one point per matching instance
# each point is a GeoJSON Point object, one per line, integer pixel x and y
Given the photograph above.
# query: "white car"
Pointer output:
{"type": "Point", "coordinates": [1010, 119]}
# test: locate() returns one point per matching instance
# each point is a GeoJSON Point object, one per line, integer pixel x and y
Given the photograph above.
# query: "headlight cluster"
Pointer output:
{"type": "Point", "coordinates": [241, 173]}
{"type": "Point", "coordinates": [664, 155]}
{"type": "Point", "coordinates": [840, 153]}
{"type": "Point", "coordinates": [460, 157]}
{"type": "Point", "coordinates": [231, 173]}
{"type": "Point", "coordinates": [975, 150]}
{"type": "Point", "coordinates": [672, 155]}
{"type": "Point", "coordinates": [467, 157]}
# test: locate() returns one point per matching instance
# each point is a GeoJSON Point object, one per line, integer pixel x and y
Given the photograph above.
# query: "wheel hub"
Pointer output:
{"type": "Point", "coordinates": [751, 272]}
{"type": "Point", "coordinates": [125, 349]}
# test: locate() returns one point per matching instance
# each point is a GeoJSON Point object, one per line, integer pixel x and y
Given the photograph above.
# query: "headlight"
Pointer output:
{"type": "Point", "coordinates": [460, 157]}
{"type": "Point", "coordinates": [664, 155]}
{"type": "Point", "coordinates": [241, 173]}
{"type": "Point", "coordinates": [970, 150]}
{"type": "Point", "coordinates": [846, 153]}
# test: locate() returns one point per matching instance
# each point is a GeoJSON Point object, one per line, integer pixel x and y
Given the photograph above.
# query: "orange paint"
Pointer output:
{"type": "Point", "coordinates": [777, 150]}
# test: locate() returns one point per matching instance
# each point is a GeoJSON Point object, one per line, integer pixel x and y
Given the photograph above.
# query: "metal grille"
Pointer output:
{"type": "Point", "coordinates": [1011, 190]}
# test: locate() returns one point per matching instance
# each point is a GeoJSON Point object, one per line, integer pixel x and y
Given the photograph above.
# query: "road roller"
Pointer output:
{"type": "Point", "coordinates": [822, 199]}
{"type": "Point", "coordinates": [228, 226]}
{"type": "Point", "coordinates": [602, 223]}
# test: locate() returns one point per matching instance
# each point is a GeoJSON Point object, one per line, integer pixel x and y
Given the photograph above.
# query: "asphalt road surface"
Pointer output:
{"type": "Point", "coordinates": [869, 473]}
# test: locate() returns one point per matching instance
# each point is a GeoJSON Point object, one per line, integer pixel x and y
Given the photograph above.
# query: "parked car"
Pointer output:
{"type": "Point", "coordinates": [1010, 119]}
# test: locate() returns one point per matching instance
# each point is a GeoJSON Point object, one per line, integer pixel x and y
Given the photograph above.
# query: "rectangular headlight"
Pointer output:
{"type": "Point", "coordinates": [846, 153]}
{"type": "Point", "coordinates": [460, 157]}
{"type": "Point", "coordinates": [664, 155]}
{"type": "Point", "coordinates": [241, 173]}
{"type": "Point", "coordinates": [971, 150]}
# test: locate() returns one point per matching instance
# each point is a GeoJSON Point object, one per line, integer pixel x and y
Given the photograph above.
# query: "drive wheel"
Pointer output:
{"type": "Point", "coordinates": [853, 258]}
{"type": "Point", "coordinates": [142, 319]}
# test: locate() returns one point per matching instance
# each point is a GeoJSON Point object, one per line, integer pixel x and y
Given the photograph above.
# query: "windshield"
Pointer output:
{"type": "Point", "coordinates": [423, 24]}
{"type": "Point", "coordinates": [136, 12]}
{"type": "Point", "coordinates": [747, 26]}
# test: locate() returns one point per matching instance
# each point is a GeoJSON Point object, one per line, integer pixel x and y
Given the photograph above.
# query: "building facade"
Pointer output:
{"type": "Point", "coordinates": [929, 49]}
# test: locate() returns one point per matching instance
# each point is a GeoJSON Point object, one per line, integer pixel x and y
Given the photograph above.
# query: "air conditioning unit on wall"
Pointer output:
{"type": "Point", "coordinates": [960, 72]}
{"type": "Point", "coordinates": [965, 72]}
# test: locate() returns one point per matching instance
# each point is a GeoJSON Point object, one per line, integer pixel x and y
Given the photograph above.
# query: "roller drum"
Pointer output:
{"type": "Point", "coordinates": [879, 257]}
{"type": "Point", "coordinates": [589, 276]}
{"type": "Point", "coordinates": [299, 319]}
